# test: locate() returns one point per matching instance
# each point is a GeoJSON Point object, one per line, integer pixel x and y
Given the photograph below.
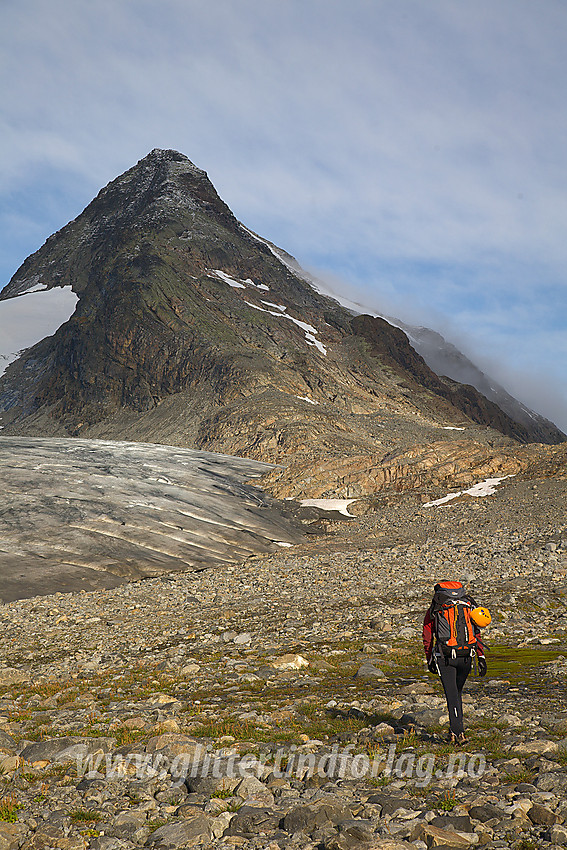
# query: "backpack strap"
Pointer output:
{"type": "Point", "coordinates": [452, 616]}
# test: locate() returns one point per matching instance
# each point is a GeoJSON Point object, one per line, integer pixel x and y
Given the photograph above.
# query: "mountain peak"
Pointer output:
{"type": "Point", "coordinates": [163, 159]}
{"type": "Point", "coordinates": [192, 330]}
{"type": "Point", "coordinates": [162, 175]}
{"type": "Point", "coordinates": [163, 191]}
{"type": "Point", "coordinates": [167, 153]}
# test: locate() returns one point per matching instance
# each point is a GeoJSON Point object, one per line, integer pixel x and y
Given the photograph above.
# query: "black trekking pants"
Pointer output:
{"type": "Point", "coordinates": [454, 672]}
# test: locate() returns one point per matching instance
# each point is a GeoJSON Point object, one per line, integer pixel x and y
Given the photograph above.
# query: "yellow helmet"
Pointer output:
{"type": "Point", "coordinates": [481, 616]}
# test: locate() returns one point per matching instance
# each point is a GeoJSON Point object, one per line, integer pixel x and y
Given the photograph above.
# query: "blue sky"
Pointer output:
{"type": "Point", "coordinates": [414, 153]}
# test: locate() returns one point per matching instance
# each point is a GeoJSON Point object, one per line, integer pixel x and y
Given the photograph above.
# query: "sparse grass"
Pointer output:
{"type": "Point", "coordinates": [317, 727]}
{"type": "Point", "coordinates": [29, 777]}
{"type": "Point", "coordinates": [486, 724]}
{"type": "Point", "coordinates": [520, 774]}
{"type": "Point", "coordinates": [307, 709]}
{"type": "Point", "coordinates": [60, 771]}
{"type": "Point", "coordinates": [380, 781]}
{"type": "Point", "coordinates": [128, 736]}
{"type": "Point", "coordinates": [409, 740]}
{"type": "Point", "coordinates": [560, 757]}
{"type": "Point", "coordinates": [490, 741]}
{"type": "Point", "coordinates": [417, 791]}
{"type": "Point", "coordinates": [222, 793]}
{"type": "Point", "coordinates": [85, 816]}
{"type": "Point", "coordinates": [447, 801]}
{"type": "Point", "coordinates": [519, 663]}
{"type": "Point", "coordinates": [9, 808]}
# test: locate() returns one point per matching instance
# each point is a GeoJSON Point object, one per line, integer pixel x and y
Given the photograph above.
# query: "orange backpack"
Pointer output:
{"type": "Point", "coordinates": [451, 611]}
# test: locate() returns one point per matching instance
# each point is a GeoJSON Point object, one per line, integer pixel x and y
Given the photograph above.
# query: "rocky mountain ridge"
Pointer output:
{"type": "Point", "coordinates": [440, 355]}
{"type": "Point", "coordinates": [446, 359]}
{"type": "Point", "coordinates": [191, 330]}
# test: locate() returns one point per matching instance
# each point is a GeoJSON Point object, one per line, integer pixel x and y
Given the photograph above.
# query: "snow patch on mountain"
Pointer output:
{"type": "Point", "coordinates": [236, 284]}
{"type": "Point", "coordinates": [32, 316]}
{"type": "Point", "coordinates": [340, 505]}
{"type": "Point", "coordinates": [483, 488]}
{"type": "Point", "coordinates": [309, 330]}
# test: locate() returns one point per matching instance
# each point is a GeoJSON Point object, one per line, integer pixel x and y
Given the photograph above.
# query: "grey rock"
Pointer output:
{"type": "Point", "coordinates": [541, 815]}
{"type": "Point", "coordinates": [175, 795]}
{"type": "Point", "coordinates": [254, 820]}
{"type": "Point", "coordinates": [243, 639]}
{"type": "Point", "coordinates": [47, 750]}
{"type": "Point", "coordinates": [132, 825]}
{"type": "Point", "coordinates": [185, 833]}
{"type": "Point", "coordinates": [251, 789]}
{"type": "Point", "coordinates": [108, 842]}
{"type": "Point", "coordinates": [307, 818]}
{"type": "Point", "coordinates": [356, 829]}
{"type": "Point", "coordinates": [209, 783]}
{"type": "Point", "coordinates": [11, 835]}
{"type": "Point", "coordinates": [558, 835]}
{"type": "Point", "coordinates": [551, 780]}
{"type": "Point", "coordinates": [7, 743]}
{"type": "Point", "coordinates": [390, 803]}
{"type": "Point", "coordinates": [485, 812]}
{"type": "Point", "coordinates": [10, 676]}
{"type": "Point", "coordinates": [368, 670]}
{"type": "Point", "coordinates": [460, 823]}
{"type": "Point", "coordinates": [66, 749]}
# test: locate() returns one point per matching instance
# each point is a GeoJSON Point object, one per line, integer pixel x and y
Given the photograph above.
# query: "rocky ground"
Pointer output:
{"type": "Point", "coordinates": [283, 702]}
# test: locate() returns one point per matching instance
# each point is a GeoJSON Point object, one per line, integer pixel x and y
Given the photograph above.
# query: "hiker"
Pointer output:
{"type": "Point", "coordinates": [451, 639]}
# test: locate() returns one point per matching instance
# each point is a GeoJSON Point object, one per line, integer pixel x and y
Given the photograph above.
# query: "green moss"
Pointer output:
{"type": "Point", "coordinates": [519, 663]}
{"type": "Point", "coordinates": [490, 741]}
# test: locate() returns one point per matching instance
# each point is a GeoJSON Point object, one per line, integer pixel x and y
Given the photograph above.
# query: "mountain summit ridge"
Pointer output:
{"type": "Point", "coordinates": [192, 330]}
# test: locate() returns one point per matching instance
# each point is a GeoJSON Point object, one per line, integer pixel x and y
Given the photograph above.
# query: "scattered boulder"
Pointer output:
{"type": "Point", "coordinates": [368, 670]}
{"type": "Point", "coordinates": [185, 833]}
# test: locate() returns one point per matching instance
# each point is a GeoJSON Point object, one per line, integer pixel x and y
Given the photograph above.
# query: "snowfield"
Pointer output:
{"type": "Point", "coordinates": [483, 488]}
{"type": "Point", "coordinates": [340, 505]}
{"type": "Point", "coordinates": [29, 318]}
